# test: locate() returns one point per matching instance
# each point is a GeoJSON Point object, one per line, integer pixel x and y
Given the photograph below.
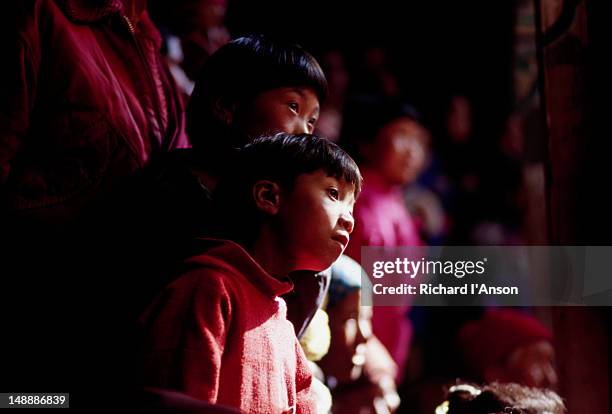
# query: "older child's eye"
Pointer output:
{"type": "Point", "coordinates": [333, 193]}
{"type": "Point", "coordinates": [312, 121]}
{"type": "Point", "coordinates": [294, 106]}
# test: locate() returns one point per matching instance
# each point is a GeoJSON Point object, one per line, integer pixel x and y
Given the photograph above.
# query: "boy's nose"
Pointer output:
{"type": "Point", "coordinates": [347, 222]}
{"type": "Point", "coordinates": [301, 127]}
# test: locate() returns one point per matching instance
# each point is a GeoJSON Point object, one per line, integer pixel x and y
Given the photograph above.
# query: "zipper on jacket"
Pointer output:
{"type": "Point", "coordinates": [129, 24]}
{"type": "Point", "coordinates": [152, 87]}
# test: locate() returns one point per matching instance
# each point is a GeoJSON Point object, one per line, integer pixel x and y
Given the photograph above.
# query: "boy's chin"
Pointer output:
{"type": "Point", "coordinates": [321, 265]}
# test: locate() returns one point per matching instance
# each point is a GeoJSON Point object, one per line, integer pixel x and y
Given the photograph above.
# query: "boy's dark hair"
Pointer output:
{"type": "Point", "coordinates": [496, 398]}
{"type": "Point", "coordinates": [233, 76]}
{"type": "Point", "coordinates": [280, 158]}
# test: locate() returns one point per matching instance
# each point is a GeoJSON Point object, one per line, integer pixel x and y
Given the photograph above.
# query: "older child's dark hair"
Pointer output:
{"type": "Point", "coordinates": [496, 398]}
{"type": "Point", "coordinates": [233, 76]}
{"type": "Point", "coordinates": [280, 158]}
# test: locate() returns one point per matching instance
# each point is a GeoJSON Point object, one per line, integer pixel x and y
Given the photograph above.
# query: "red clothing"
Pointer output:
{"type": "Point", "coordinates": [484, 346]}
{"type": "Point", "coordinates": [86, 100]}
{"type": "Point", "coordinates": [219, 333]}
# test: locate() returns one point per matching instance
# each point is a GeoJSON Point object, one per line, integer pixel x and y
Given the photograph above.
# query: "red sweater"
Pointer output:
{"type": "Point", "coordinates": [219, 333]}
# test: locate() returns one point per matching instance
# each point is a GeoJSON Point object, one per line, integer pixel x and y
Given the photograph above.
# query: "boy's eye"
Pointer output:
{"type": "Point", "coordinates": [333, 193]}
{"type": "Point", "coordinates": [312, 121]}
{"type": "Point", "coordinates": [294, 106]}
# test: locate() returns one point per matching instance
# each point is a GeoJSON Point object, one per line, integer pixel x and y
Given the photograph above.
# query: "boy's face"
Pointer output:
{"type": "Point", "coordinates": [399, 152]}
{"type": "Point", "coordinates": [294, 110]}
{"type": "Point", "coordinates": [315, 219]}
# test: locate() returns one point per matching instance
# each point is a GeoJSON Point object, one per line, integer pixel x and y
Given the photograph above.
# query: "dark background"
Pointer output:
{"type": "Point", "coordinates": [435, 48]}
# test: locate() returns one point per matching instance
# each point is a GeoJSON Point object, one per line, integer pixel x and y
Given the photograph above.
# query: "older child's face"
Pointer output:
{"type": "Point", "coordinates": [294, 110]}
{"type": "Point", "coordinates": [399, 151]}
{"type": "Point", "coordinates": [316, 219]}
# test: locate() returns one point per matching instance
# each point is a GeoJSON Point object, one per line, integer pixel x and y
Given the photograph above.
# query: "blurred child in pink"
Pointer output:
{"type": "Point", "coordinates": [390, 145]}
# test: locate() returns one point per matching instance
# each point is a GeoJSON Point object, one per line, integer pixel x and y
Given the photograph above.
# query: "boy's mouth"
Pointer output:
{"type": "Point", "coordinates": [341, 238]}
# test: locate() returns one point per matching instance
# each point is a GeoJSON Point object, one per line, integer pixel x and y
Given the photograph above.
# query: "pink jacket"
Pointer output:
{"type": "Point", "coordinates": [382, 219]}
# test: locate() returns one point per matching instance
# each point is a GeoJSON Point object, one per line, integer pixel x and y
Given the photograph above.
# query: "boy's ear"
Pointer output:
{"type": "Point", "coordinates": [266, 195]}
{"type": "Point", "coordinates": [223, 111]}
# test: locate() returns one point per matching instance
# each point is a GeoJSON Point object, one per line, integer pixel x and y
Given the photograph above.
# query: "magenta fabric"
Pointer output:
{"type": "Point", "coordinates": [382, 219]}
{"type": "Point", "coordinates": [381, 216]}
{"type": "Point", "coordinates": [87, 100]}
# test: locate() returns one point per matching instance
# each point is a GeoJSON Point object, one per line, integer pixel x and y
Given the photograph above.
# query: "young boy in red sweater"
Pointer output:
{"type": "Point", "coordinates": [219, 331]}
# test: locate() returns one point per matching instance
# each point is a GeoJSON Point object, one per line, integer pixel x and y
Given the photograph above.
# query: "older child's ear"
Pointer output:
{"type": "Point", "coordinates": [266, 195]}
{"type": "Point", "coordinates": [223, 111]}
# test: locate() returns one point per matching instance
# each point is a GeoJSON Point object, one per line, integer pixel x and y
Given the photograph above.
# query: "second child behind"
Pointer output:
{"type": "Point", "coordinates": [219, 331]}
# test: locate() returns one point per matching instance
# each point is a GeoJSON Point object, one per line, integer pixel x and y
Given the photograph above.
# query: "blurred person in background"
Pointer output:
{"type": "Point", "coordinates": [372, 73]}
{"type": "Point", "coordinates": [358, 369]}
{"type": "Point", "coordinates": [523, 354]}
{"type": "Point", "coordinates": [330, 119]}
{"type": "Point", "coordinates": [199, 26]}
{"type": "Point", "coordinates": [480, 192]}
{"type": "Point", "coordinates": [477, 344]}
{"type": "Point", "coordinates": [388, 144]}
